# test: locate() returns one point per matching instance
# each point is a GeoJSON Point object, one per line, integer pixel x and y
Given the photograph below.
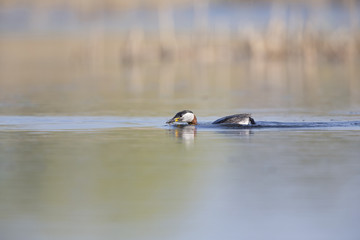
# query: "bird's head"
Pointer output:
{"type": "Point", "coordinates": [185, 116]}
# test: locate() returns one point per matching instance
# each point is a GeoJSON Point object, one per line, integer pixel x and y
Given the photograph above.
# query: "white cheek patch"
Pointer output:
{"type": "Point", "coordinates": [188, 117]}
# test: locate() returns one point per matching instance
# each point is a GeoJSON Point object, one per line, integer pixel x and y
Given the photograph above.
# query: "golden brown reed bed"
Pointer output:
{"type": "Point", "coordinates": [138, 47]}
{"type": "Point", "coordinates": [203, 44]}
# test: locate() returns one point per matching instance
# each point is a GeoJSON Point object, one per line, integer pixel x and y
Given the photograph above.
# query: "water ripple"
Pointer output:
{"type": "Point", "coordinates": [93, 123]}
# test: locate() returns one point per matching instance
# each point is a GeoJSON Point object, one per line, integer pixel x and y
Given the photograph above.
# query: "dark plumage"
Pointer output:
{"type": "Point", "coordinates": [243, 118]}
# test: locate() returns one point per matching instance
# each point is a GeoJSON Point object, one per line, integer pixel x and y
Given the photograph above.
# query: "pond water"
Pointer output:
{"type": "Point", "coordinates": [84, 177]}
{"type": "Point", "coordinates": [88, 156]}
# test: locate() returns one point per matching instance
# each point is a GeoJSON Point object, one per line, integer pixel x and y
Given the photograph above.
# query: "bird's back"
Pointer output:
{"type": "Point", "coordinates": [243, 118]}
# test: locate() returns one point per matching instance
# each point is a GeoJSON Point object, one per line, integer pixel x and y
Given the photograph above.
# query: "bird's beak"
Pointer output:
{"type": "Point", "coordinates": [173, 120]}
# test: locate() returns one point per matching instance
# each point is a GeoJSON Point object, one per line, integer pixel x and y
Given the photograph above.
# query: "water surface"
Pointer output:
{"type": "Point", "coordinates": [96, 177]}
{"type": "Point", "coordinates": [85, 152]}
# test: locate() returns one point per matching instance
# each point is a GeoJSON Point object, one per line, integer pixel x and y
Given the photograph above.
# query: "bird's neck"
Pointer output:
{"type": "Point", "coordinates": [194, 121]}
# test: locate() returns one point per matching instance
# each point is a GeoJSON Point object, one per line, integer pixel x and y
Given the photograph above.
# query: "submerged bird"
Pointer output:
{"type": "Point", "coordinates": [189, 117]}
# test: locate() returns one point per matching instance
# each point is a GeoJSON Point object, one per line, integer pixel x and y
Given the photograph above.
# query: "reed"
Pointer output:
{"type": "Point", "coordinates": [205, 43]}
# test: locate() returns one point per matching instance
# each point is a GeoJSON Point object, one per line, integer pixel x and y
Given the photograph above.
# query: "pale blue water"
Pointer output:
{"type": "Point", "coordinates": [88, 155]}
{"type": "Point", "coordinates": [98, 123]}
{"type": "Point", "coordinates": [111, 177]}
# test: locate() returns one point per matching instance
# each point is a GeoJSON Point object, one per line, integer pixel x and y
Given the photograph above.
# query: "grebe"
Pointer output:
{"type": "Point", "coordinates": [189, 117]}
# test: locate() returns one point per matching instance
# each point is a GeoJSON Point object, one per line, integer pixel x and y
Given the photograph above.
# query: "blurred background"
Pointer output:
{"type": "Point", "coordinates": [127, 57]}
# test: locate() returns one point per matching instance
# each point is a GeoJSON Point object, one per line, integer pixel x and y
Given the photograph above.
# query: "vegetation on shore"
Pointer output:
{"type": "Point", "coordinates": [206, 43]}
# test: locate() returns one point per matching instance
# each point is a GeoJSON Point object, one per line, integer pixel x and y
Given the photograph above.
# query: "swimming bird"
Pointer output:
{"type": "Point", "coordinates": [187, 116]}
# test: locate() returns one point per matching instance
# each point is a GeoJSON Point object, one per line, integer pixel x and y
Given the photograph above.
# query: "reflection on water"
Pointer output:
{"type": "Point", "coordinates": [143, 183]}
{"type": "Point", "coordinates": [85, 152]}
{"type": "Point", "coordinates": [154, 90]}
{"type": "Point", "coordinates": [185, 133]}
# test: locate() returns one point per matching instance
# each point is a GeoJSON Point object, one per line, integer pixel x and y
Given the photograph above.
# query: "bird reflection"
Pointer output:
{"type": "Point", "coordinates": [185, 133]}
{"type": "Point", "coordinates": [237, 132]}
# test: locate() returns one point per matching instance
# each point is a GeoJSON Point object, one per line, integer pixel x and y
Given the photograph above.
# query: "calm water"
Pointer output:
{"type": "Point", "coordinates": [85, 153]}
{"type": "Point", "coordinates": [84, 177]}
